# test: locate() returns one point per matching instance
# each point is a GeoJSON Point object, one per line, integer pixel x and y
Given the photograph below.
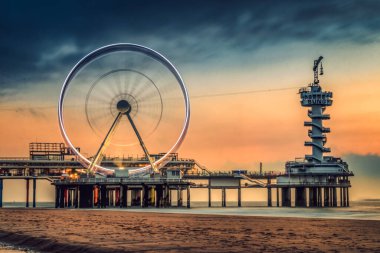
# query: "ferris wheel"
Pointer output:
{"type": "Point", "coordinates": [122, 97]}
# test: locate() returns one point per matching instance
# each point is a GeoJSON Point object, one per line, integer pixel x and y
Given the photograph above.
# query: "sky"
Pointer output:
{"type": "Point", "coordinates": [262, 50]}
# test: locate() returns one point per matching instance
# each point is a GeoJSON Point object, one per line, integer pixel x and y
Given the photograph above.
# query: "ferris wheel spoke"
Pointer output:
{"type": "Point", "coordinates": [102, 97]}
{"type": "Point", "coordinates": [133, 87]}
{"type": "Point", "coordinates": [104, 144]}
{"type": "Point", "coordinates": [127, 84]}
{"type": "Point", "coordinates": [148, 96]}
{"type": "Point", "coordinates": [118, 84]}
{"type": "Point", "coordinates": [143, 91]}
{"type": "Point", "coordinates": [143, 87]}
{"type": "Point", "coordinates": [141, 143]}
{"type": "Point", "coordinates": [150, 114]}
{"type": "Point", "coordinates": [149, 103]}
{"type": "Point", "coordinates": [100, 118]}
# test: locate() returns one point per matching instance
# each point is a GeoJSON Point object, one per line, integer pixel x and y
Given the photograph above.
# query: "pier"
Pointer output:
{"type": "Point", "coordinates": [157, 192]}
{"type": "Point", "coordinates": [316, 180]}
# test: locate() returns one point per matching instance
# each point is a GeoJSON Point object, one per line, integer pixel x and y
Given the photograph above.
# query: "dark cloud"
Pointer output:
{"type": "Point", "coordinates": [36, 113]}
{"type": "Point", "coordinates": [41, 40]}
{"type": "Point", "coordinates": [367, 175]}
{"type": "Point", "coordinates": [364, 165]}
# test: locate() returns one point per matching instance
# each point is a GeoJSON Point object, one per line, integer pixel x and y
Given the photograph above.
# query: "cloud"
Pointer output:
{"type": "Point", "coordinates": [42, 40]}
{"type": "Point", "coordinates": [367, 175]}
{"type": "Point", "coordinates": [364, 165]}
{"type": "Point", "coordinates": [34, 112]}
{"type": "Point", "coordinates": [6, 92]}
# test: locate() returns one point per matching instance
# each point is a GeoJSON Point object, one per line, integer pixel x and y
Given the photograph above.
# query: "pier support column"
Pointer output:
{"type": "Point", "coordinates": [159, 195]}
{"type": "Point", "coordinates": [120, 197]}
{"type": "Point", "coordinates": [1, 192]}
{"type": "Point", "coordinates": [330, 196]}
{"type": "Point", "coordinates": [98, 196]}
{"type": "Point", "coordinates": [209, 192]}
{"type": "Point", "coordinates": [319, 197]}
{"type": "Point", "coordinates": [209, 196]}
{"type": "Point", "coordinates": [300, 197]}
{"type": "Point", "coordinates": [179, 197]}
{"type": "Point", "coordinates": [269, 196]}
{"type": "Point", "coordinates": [335, 202]}
{"type": "Point", "coordinates": [117, 197]}
{"type": "Point", "coordinates": [69, 198]}
{"type": "Point", "coordinates": [124, 196]}
{"type": "Point", "coordinates": [56, 196]}
{"type": "Point", "coordinates": [62, 197]}
{"type": "Point", "coordinates": [286, 197]}
{"type": "Point", "coordinates": [311, 197]}
{"type": "Point", "coordinates": [136, 197]}
{"type": "Point", "coordinates": [167, 196]}
{"type": "Point", "coordinates": [239, 195]}
{"type": "Point", "coordinates": [145, 199]}
{"type": "Point", "coordinates": [103, 196]}
{"type": "Point", "coordinates": [86, 196]}
{"type": "Point", "coordinates": [152, 197]}
{"type": "Point", "coordinates": [344, 197]}
{"type": "Point", "coordinates": [269, 192]}
{"type": "Point", "coordinates": [277, 197]}
{"type": "Point", "coordinates": [223, 197]}
{"type": "Point", "coordinates": [315, 196]}
{"type": "Point", "coordinates": [170, 197]}
{"type": "Point", "coordinates": [110, 197]}
{"type": "Point", "coordinates": [341, 196]}
{"type": "Point", "coordinates": [76, 197]}
{"type": "Point", "coordinates": [27, 193]}
{"type": "Point", "coordinates": [326, 197]}
{"type": "Point", "coordinates": [34, 192]}
{"type": "Point", "coordinates": [66, 196]}
{"type": "Point", "coordinates": [188, 196]}
{"type": "Point", "coordinates": [348, 198]}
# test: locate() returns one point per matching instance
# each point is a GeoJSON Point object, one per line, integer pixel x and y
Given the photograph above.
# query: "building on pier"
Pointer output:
{"type": "Point", "coordinates": [321, 176]}
{"type": "Point", "coordinates": [56, 163]}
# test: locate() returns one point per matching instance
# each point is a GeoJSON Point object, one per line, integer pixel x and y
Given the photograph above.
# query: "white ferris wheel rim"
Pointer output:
{"type": "Point", "coordinates": [120, 47]}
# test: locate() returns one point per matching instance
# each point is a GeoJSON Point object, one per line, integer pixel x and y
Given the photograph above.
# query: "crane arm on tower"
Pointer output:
{"type": "Point", "coordinates": [315, 69]}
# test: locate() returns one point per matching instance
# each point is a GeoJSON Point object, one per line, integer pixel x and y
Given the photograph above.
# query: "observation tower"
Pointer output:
{"type": "Point", "coordinates": [317, 100]}
{"type": "Point", "coordinates": [316, 173]}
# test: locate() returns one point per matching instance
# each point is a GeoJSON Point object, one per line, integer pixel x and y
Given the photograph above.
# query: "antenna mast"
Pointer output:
{"type": "Point", "coordinates": [315, 69]}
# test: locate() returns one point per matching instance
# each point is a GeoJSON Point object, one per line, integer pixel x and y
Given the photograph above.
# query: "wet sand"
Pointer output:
{"type": "Point", "coordinates": [50, 230]}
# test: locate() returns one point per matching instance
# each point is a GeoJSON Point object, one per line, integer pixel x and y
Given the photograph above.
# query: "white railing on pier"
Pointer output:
{"type": "Point", "coordinates": [124, 180]}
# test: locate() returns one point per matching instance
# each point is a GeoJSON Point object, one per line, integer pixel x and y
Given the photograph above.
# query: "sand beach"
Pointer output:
{"type": "Point", "coordinates": [50, 230]}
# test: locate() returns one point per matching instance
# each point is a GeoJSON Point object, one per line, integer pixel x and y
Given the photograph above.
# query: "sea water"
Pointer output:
{"type": "Point", "coordinates": [362, 210]}
{"type": "Point", "coordinates": [7, 248]}
{"type": "Point", "coordinates": [358, 210]}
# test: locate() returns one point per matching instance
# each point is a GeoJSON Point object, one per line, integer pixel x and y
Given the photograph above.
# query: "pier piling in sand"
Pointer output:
{"type": "Point", "coordinates": [1, 192]}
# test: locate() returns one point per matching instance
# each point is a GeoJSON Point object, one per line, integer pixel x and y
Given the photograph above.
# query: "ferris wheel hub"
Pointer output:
{"type": "Point", "coordinates": [123, 106]}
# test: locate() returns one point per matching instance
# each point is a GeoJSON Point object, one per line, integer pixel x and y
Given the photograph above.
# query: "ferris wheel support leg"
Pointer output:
{"type": "Point", "coordinates": [104, 143]}
{"type": "Point", "coordinates": [153, 168]}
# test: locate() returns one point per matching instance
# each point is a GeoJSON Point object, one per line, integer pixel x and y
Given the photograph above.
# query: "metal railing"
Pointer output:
{"type": "Point", "coordinates": [122, 180]}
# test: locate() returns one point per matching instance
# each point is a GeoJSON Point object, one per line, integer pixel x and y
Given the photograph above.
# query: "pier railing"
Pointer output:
{"type": "Point", "coordinates": [122, 180]}
{"type": "Point", "coordinates": [231, 173]}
